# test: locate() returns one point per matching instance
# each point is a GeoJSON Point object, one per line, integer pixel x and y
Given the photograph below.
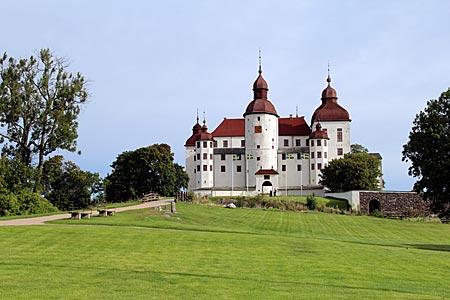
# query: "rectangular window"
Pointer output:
{"type": "Point", "coordinates": [319, 143]}
{"type": "Point", "coordinates": [299, 156]}
{"type": "Point", "coordinates": [325, 143]}
{"type": "Point", "coordinates": [312, 154]}
{"type": "Point", "coordinates": [319, 154]}
{"type": "Point", "coordinates": [319, 166]}
{"type": "Point", "coordinates": [222, 156]}
{"type": "Point", "coordinates": [239, 169]}
{"type": "Point", "coordinates": [205, 168]}
{"type": "Point", "coordinates": [215, 144]}
{"type": "Point", "coordinates": [210, 168]}
{"type": "Point", "coordinates": [211, 156]}
{"type": "Point", "coordinates": [283, 156]}
{"type": "Point", "coordinates": [325, 155]}
{"type": "Point", "coordinates": [242, 143]}
{"type": "Point", "coordinates": [222, 169]}
{"type": "Point", "coordinates": [198, 156]}
{"type": "Point", "coordinates": [266, 177]}
{"type": "Point", "coordinates": [211, 144]}
{"type": "Point", "coordinates": [258, 158]}
{"type": "Point", "coordinates": [299, 168]}
{"type": "Point", "coordinates": [195, 157]}
{"type": "Point", "coordinates": [205, 144]}
{"type": "Point", "coordinates": [225, 144]}
{"type": "Point", "coordinates": [307, 143]}
{"type": "Point", "coordinates": [258, 129]}
{"type": "Point", "coordinates": [205, 155]}
{"type": "Point", "coordinates": [286, 143]}
{"type": "Point", "coordinates": [312, 143]}
{"type": "Point", "coordinates": [312, 166]}
{"type": "Point", "coordinates": [198, 168]}
{"type": "Point", "coordinates": [195, 171]}
{"type": "Point", "coordinates": [339, 135]}
{"type": "Point", "coordinates": [297, 143]}
{"type": "Point", "coordinates": [340, 151]}
{"type": "Point", "coordinates": [283, 168]}
{"type": "Point", "coordinates": [258, 146]}
{"type": "Point", "coordinates": [198, 144]}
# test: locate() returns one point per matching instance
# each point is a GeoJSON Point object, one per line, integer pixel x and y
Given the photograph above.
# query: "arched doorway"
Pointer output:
{"type": "Point", "coordinates": [374, 205]}
{"type": "Point", "coordinates": [267, 187]}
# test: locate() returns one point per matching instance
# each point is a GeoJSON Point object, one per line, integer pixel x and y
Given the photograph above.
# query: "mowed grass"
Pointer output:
{"type": "Point", "coordinates": [208, 252]}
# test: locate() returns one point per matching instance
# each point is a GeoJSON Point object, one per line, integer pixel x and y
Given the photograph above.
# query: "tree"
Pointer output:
{"type": "Point", "coordinates": [428, 150]}
{"type": "Point", "coordinates": [357, 148]}
{"type": "Point", "coordinates": [66, 186]}
{"type": "Point", "coordinates": [16, 197]}
{"type": "Point", "coordinates": [356, 171]}
{"type": "Point", "coordinates": [39, 105]}
{"type": "Point", "coordinates": [148, 169]}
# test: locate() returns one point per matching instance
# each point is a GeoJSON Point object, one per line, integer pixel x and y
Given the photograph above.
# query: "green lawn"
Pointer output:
{"type": "Point", "coordinates": [208, 252]}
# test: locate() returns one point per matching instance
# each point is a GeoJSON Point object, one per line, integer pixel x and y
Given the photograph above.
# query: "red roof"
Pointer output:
{"type": "Point", "coordinates": [293, 126]}
{"type": "Point", "coordinates": [230, 127]}
{"type": "Point", "coordinates": [266, 172]}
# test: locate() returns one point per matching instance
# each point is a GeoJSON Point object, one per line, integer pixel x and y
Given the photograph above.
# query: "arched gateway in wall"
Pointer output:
{"type": "Point", "coordinates": [267, 187]}
{"type": "Point", "coordinates": [373, 206]}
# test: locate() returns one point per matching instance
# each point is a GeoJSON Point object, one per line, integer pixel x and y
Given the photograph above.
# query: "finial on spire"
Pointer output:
{"type": "Point", "coordinates": [204, 118]}
{"type": "Point", "coordinates": [296, 111]}
{"type": "Point", "coordinates": [329, 77]}
{"type": "Point", "coordinates": [197, 116]}
{"type": "Point", "coordinates": [260, 69]}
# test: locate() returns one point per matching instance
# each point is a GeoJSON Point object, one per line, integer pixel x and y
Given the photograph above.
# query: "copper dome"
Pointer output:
{"type": "Point", "coordinates": [330, 110]}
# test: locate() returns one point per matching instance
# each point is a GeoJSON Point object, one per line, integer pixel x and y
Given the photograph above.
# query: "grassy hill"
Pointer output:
{"type": "Point", "coordinates": [208, 252]}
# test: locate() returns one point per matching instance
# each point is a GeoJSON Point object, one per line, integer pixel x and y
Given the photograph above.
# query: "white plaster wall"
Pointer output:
{"type": "Point", "coordinates": [333, 145]}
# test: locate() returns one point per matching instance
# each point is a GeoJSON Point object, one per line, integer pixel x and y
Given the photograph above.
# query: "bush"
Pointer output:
{"type": "Point", "coordinates": [377, 213]}
{"type": "Point", "coordinates": [311, 202]}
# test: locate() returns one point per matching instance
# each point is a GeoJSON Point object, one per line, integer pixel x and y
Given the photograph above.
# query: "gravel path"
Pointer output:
{"type": "Point", "coordinates": [42, 220]}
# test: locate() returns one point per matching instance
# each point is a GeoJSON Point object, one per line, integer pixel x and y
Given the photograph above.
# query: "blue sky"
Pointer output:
{"type": "Point", "coordinates": [151, 64]}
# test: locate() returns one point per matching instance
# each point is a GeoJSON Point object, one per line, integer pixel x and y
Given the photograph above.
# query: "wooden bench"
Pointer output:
{"type": "Point", "coordinates": [77, 215]}
{"type": "Point", "coordinates": [106, 212]}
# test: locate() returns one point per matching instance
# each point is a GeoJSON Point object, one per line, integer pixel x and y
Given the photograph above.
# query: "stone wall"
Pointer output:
{"type": "Point", "coordinates": [394, 203]}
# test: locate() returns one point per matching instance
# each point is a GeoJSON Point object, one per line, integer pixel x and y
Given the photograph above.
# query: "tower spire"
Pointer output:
{"type": "Point", "coordinates": [198, 119]}
{"type": "Point", "coordinates": [329, 77]}
{"type": "Point", "coordinates": [260, 68]}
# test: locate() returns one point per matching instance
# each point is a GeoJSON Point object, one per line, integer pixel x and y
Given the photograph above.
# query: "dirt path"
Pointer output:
{"type": "Point", "coordinates": [42, 220]}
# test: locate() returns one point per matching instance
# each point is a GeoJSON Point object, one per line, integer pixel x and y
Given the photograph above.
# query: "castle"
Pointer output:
{"type": "Point", "coordinates": [265, 153]}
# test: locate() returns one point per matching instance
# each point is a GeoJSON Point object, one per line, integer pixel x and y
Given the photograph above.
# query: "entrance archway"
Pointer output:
{"type": "Point", "coordinates": [267, 187]}
{"type": "Point", "coordinates": [373, 206]}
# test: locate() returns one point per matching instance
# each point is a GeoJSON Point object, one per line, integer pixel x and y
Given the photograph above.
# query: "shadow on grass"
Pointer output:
{"type": "Point", "coordinates": [431, 247]}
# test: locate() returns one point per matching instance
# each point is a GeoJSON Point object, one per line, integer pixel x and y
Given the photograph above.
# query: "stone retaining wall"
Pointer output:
{"type": "Point", "coordinates": [394, 203]}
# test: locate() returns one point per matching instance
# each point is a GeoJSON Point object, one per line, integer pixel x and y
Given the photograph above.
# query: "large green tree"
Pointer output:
{"type": "Point", "coordinates": [66, 186]}
{"type": "Point", "coordinates": [144, 170]}
{"type": "Point", "coordinates": [356, 171]}
{"type": "Point", "coordinates": [39, 105]}
{"type": "Point", "coordinates": [428, 150]}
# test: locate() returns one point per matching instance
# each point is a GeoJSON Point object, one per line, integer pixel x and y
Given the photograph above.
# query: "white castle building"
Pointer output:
{"type": "Point", "coordinates": [265, 153]}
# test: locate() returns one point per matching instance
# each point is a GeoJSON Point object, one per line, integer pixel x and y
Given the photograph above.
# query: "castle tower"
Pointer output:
{"type": "Point", "coordinates": [335, 120]}
{"type": "Point", "coordinates": [318, 153]}
{"type": "Point", "coordinates": [204, 151]}
{"type": "Point", "coordinates": [191, 158]}
{"type": "Point", "coordinates": [261, 139]}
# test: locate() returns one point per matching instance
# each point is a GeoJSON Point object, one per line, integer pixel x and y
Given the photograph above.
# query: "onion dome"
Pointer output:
{"type": "Point", "coordinates": [319, 134]}
{"type": "Point", "coordinates": [196, 130]}
{"type": "Point", "coordinates": [204, 134]}
{"type": "Point", "coordinates": [260, 103]}
{"type": "Point", "coordinates": [330, 110]}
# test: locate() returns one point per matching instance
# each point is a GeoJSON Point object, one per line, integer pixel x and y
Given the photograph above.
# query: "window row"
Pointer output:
{"type": "Point", "coordinates": [318, 154]}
